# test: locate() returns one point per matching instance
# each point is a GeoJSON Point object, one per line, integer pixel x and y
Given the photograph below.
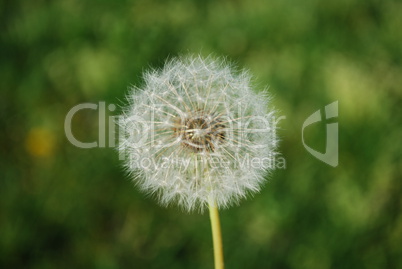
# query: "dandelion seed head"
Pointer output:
{"type": "Point", "coordinates": [196, 132]}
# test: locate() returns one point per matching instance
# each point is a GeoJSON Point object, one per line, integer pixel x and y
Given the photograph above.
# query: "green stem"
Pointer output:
{"type": "Point", "coordinates": [216, 235]}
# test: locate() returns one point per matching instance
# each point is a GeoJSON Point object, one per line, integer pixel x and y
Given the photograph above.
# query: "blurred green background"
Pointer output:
{"type": "Point", "coordinates": [66, 207]}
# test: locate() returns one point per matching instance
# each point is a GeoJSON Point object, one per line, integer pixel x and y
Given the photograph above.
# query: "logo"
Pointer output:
{"type": "Point", "coordinates": [330, 156]}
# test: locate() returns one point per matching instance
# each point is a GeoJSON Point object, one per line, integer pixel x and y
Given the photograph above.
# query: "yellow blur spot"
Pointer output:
{"type": "Point", "coordinates": [40, 142]}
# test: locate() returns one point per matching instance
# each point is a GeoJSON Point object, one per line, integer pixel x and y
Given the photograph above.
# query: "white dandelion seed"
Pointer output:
{"type": "Point", "coordinates": [196, 132]}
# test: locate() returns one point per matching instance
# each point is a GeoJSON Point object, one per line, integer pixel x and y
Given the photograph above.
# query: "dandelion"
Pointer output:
{"type": "Point", "coordinates": [197, 135]}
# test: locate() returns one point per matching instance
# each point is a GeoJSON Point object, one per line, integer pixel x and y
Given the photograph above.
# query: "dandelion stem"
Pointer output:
{"type": "Point", "coordinates": [216, 235]}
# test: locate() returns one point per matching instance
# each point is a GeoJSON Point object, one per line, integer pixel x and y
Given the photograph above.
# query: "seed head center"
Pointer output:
{"type": "Point", "coordinates": [200, 132]}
